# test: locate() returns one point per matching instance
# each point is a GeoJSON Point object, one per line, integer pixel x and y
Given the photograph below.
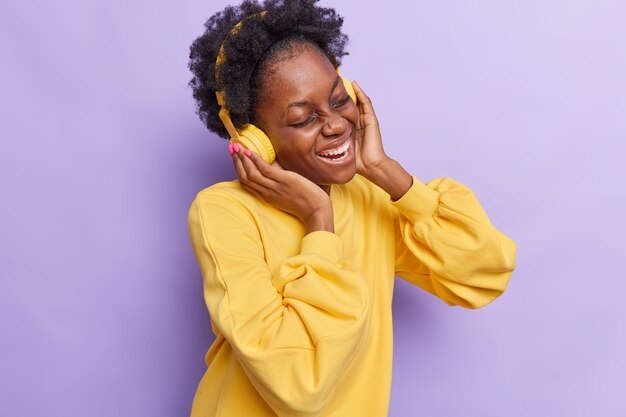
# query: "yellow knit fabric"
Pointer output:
{"type": "Point", "coordinates": [303, 323]}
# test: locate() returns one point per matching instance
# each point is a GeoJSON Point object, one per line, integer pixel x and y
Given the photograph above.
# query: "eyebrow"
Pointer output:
{"type": "Point", "coordinates": [301, 103]}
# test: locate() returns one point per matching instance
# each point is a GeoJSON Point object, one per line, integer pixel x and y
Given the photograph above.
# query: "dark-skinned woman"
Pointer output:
{"type": "Point", "coordinates": [298, 257]}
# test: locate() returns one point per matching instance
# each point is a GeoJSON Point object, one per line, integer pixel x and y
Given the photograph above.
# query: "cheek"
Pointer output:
{"type": "Point", "coordinates": [351, 113]}
{"type": "Point", "coordinates": [293, 147]}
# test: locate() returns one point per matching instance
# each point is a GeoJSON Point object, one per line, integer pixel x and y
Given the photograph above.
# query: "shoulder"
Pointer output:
{"type": "Point", "coordinates": [224, 214]}
{"type": "Point", "coordinates": [221, 189]}
{"type": "Point", "coordinates": [224, 200]}
{"type": "Point", "coordinates": [227, 192]}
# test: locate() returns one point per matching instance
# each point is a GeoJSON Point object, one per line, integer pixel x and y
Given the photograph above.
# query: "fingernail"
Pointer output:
{"type": "Point", "coordinates": [236, 148]}
{"type": "Point", "coordinates": [247, 152]}
{"type": "Point", "coordinates": [230, 148]}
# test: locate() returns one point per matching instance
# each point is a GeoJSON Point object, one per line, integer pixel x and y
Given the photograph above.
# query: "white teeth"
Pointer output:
{"type": "Point", "coordinates": [337, 151]}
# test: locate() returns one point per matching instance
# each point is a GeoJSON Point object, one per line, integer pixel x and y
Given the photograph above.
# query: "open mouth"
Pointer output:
{"type": "Point", "coordinates": [336, 154]}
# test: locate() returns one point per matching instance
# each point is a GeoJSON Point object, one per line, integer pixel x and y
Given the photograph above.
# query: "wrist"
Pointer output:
{"type": "Point", "coordinates": [391, 177]}
{"type": "Point", "coordinates": [321, 218]}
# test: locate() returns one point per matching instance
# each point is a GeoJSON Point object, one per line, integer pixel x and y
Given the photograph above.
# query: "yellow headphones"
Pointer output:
{"type": "Point", "coordinates": [250, 136]}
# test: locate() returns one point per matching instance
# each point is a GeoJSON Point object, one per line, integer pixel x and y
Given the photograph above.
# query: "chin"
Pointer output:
{"type": "Point", "coordinates": [340, 177]}
{"type": "Point", "coordinates": [346, 178]}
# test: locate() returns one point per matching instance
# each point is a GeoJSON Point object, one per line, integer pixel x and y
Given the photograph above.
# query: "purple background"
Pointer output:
{"type": "Point", "coordinates": [101, 309]}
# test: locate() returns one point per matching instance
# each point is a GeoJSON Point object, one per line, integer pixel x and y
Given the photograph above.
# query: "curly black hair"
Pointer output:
{"type": "Point", "coordinates": [250, 50]}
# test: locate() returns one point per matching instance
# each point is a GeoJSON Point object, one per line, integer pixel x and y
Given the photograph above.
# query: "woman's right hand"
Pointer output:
{"type": "Point", "coordinates": [285, 190]}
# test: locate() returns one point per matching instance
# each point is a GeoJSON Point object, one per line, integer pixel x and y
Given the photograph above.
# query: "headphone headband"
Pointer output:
{"type": "Point", "coordinates": [224, 113]}
{"type": "Point", "coordinates": [221, 55]}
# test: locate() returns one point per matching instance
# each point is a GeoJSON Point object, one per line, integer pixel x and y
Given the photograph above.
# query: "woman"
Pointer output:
{"type": "Point", "coordinates": [298, 257]}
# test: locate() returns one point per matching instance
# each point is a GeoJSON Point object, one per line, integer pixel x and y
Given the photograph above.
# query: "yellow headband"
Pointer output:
{"type": "Point", "coordinates": [224, 113]}
{"type": "Point", "coordinates": [221, 55]}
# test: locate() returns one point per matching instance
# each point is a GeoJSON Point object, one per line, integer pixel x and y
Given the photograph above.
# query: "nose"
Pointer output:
{"type": "Point", "coordinates": [335, 125]}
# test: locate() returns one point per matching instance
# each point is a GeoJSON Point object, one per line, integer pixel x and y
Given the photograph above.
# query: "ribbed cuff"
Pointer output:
{"type": "Point", "coordinates": [419, 202]}
{"type": "Point", "coordinates": [324, 243]}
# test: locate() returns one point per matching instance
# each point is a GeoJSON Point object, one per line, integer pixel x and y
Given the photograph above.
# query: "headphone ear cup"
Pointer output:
{"type": "Point", "coordinates": [257, 141]}
{"type": "Point", "coordinates": [348, 85]}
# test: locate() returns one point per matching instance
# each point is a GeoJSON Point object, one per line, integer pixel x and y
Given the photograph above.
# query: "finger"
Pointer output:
{"type": "Point", "coordinates": [244, 179]}
{"type": "Point", "coordinates": [241, 172]}
{"type": "Point", "coordinates": [253, 173]}
{"type": "Point", "coordinates": [277, 164]}
{"type": "Point", "coordinates": [253, 191]}
{"type": "Point", "coordinates": [273, 171]}
{"type": "Point", "coordinates": [364, 101]}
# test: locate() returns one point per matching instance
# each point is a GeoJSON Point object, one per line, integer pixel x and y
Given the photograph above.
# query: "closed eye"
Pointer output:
{"type": "Point", "coordinates": [304, 123]}
{"type": "Point", "coordinates": [341, 102]}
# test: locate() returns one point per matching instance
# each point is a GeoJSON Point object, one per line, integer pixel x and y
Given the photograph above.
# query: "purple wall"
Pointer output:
{"type": "Point", "coordinates": [101, 311]}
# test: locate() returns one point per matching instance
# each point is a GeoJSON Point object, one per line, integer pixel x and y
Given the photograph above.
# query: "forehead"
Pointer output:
{"type": "Point", "coordinates": [301, 76]}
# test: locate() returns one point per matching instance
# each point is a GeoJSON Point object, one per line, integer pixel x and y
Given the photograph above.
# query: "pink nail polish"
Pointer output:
{"type": "Point", "coordinates": [247, 153]}
{"type": "Point", "coordinates": [236, 148]}
{"type": "Point", "coordinates": [230, 148]}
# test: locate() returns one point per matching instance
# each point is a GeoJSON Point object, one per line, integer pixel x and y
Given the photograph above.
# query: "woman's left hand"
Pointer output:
{"type": "Point", "coordinates": [371, 160]}
{"type": "Point", "coordinates": [369, 144]}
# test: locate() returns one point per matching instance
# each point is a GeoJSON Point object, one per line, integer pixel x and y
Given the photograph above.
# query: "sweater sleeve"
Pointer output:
{"type": "Point", "coordinates": [294, 330]}
{"type": "Point", "coordinates": [446, 244]}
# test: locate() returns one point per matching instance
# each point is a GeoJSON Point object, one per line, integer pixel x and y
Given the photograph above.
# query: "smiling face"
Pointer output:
{"type": "Point", "coordinates": [309, 117]}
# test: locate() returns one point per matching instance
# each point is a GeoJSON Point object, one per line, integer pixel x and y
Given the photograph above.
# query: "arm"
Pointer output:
{"type": "Point", "coordinates": [445, 242]}
{"type": "Point", "coordinates": [294, 330]}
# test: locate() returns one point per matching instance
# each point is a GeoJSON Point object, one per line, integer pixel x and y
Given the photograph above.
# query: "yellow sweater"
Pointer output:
{"type": "Point", "coordinates": [303, 323]}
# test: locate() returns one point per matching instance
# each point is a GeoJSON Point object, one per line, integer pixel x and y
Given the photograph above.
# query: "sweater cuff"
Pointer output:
{"type": "Point", "coordinates": [418, 203]}
{"type": "Point", "coordinates": [321, 242]}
